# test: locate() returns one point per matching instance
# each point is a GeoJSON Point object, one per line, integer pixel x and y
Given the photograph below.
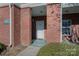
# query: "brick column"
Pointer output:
{"type": "Point", "coordinates": [15, 25]}
{"type": "Point", "coordinates": [26, 26]}
{"type": "Point", "coordinates": [53, 23]}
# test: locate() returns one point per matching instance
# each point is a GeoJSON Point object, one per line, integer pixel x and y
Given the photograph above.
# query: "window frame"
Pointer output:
{"type": "Point", "coordinates": [67, 27]}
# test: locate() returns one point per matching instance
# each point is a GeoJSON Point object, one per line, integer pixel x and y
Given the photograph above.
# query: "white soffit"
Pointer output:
{"type": "Point", "coordinates": [64, 5]}
{"type": "Point", "coordinates": [70, 10]}
{"type": "Point", "coordinates": [39, 11]}
{"type": "Point", "coordinates": [23, 5]}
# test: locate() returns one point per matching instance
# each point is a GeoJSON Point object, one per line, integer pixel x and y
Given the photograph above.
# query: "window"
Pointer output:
{"type": "Point", "coordinates": [66, 27]}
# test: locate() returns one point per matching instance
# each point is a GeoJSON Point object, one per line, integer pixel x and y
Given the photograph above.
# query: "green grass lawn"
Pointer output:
{"type": "Point", "coordinates": [59, 49]}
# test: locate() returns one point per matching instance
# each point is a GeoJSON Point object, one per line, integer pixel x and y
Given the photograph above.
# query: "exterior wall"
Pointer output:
{"type": "Point", "coordinates": [15, 25]}
{"type": "Point", "coordinates": [53, 23]}
{"type": "Point", "coordinates": [4, 28]}
{"type": "Point", "coordinates": [26, 26]}
{"type": "Point", "coordinates": [21, 25]}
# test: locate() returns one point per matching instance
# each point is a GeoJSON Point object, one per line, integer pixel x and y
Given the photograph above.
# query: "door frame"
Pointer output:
{"type": "Point", "coordinates": [38, 30]}
{"type": "Point", "coordinates": [34, 19]}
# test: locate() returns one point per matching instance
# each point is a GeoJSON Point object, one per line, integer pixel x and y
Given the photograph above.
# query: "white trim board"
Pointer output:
{"type": "Point", "coordinates": [23, 5]}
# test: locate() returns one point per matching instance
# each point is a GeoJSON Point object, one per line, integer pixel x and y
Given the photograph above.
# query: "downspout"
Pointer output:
{"type": "Point", "coordinates": [61, 39]}
{"type": "Point", "coordinates": [10, 44]}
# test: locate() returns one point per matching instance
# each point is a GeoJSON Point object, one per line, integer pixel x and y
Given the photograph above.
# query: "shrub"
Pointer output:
{"type": "Point", "coordinates": [2, 47]}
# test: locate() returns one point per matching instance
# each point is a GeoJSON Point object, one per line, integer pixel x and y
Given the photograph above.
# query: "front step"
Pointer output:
{"type": "Point", "coordinates": [39, 42]}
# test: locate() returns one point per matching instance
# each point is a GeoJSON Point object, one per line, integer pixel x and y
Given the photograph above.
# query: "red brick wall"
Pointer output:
{"type": "Point", "coordinates": [26, 26]}
{"type": "Point", "coordinates": [16, 26]}
{"type": "Point", "coordinates": [21, 26]}
{"type": "Point", "coordinates": [53, 23]}
{"type": "Point", "coordinates": [4, 28]}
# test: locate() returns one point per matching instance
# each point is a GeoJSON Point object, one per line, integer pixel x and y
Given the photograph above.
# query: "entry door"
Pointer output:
{"type": "Point", "coordinates": [40, 29]}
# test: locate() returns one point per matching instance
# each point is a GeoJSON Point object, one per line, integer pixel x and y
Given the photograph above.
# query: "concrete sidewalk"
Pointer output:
{"type": "Point", "coordinates": [30, 51]}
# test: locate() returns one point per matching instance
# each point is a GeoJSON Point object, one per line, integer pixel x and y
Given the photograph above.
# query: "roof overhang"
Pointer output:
{"type": "Point", "coordinates": [69, 8]}
{"type": "Point", "coordinates": [65, 5]}
{"type": "Point", "coordinates": [23, 5]}
{"type": "Point", "coordinates": [4, 4]}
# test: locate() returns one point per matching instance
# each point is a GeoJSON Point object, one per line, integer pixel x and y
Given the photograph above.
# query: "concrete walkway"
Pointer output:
{"type": "Point", "coordinates": [30, 51]}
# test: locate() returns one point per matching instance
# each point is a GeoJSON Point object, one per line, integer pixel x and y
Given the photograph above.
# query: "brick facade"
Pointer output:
{"type": "Point", "coordinates": [22, 25]}
{"type": "Point", "coordinates": [4, 28]}
{"type": "Point", "coordinates": [16, 25]}
{"type": "Point", "coordinates": [53, 23]}
{"type": "Point", "coordinates": [26, 26]}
